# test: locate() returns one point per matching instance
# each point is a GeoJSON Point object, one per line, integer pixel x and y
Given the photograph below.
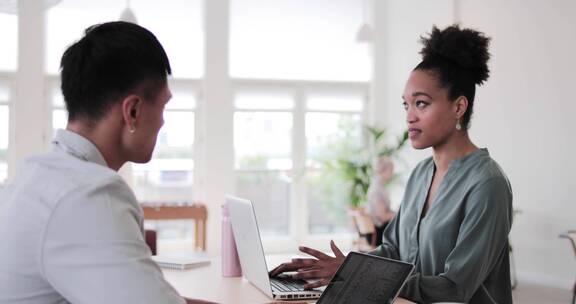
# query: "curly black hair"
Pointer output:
{"type": "Point", "coordinates": [459, 58]}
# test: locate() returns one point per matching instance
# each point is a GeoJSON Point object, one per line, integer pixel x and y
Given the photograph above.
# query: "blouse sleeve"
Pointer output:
{"type": "Point", "coordinates": [480, 246]}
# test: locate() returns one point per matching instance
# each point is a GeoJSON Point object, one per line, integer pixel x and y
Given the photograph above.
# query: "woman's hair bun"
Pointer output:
{"type": "Point", "coordinates": [466, 48]}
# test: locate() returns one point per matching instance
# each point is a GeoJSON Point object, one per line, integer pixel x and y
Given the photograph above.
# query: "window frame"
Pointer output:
{"type": "Point", "coordinates": [299, 233]}
{"type": "Point", "coordinates": [216, 84]}
{"type": "Point", "coordinates": [8, 78]}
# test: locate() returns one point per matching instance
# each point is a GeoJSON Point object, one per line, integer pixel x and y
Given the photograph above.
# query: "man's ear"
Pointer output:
{"type": "Point", "coordinates": [460, 106]}
{"type": "Point", "coordinates": [131, 111]}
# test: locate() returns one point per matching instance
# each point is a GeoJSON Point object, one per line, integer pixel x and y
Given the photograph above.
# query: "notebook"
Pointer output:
{"type": "Point", "coordinates": [252, 259]}
{"type": "Point", "coordinates": [180, 263]}
{"type": "Point", "coordinates": [366, 279]}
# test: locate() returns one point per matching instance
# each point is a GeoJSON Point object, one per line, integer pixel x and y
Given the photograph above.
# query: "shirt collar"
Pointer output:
{"type": "Point", "coordinates": [77, 146]}
{"type": "Point", "coordinates": [482, 152]}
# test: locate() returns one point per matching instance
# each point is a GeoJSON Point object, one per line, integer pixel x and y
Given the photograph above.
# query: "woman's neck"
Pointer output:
{"type": "Point", "coordinates": [457, 146]}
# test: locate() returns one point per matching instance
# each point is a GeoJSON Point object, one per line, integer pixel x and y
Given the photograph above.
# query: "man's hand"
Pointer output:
{"type": "Point", "coordinates": [322, 268]}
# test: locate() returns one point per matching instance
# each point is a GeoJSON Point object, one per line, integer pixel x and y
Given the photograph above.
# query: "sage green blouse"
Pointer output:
{"type": "Point", "coordinates": [460, 247]}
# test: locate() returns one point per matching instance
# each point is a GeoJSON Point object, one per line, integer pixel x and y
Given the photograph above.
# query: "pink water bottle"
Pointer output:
{"type": "Point", "coordinates": [230, 262]}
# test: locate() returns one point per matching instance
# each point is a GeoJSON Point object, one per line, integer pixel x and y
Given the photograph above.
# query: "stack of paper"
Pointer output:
{"type": "Point", "coordinates": [180, 263]}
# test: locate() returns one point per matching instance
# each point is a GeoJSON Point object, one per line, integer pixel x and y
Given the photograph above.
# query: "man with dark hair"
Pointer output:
{"type": "Point", "coordinates": [71, 228]}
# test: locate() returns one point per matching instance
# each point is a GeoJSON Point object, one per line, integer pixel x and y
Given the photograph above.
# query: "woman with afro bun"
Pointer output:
{"type": "Point", "coordinates": [456, 213]}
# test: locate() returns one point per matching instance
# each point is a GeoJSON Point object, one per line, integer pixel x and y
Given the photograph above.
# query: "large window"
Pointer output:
{"type": "Point", "coordinates": [333, 131]}
{"type": "Point", "coordinates": [307, 79]}
{"type": "Point", "coordinates": [283, 139]}
{"type": "Point", "coordinates": [263, 155]}
{"type": "Point", "coordinates": [299, 83]}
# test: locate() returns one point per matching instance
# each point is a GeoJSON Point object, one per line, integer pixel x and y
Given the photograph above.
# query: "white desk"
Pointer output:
{"type": "Point", "coordinates": [207, 283]}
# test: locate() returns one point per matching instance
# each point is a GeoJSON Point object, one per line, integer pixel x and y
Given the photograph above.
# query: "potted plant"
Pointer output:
{"type": "Point", "coordinates": [358, 170]}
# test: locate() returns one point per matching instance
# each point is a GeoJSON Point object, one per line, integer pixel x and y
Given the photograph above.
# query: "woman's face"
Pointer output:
{"type": "Point", "coordinates": [430, 115]}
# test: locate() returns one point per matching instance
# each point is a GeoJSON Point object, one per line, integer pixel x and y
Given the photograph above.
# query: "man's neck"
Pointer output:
{"type": "Point", "coordinates": [100, 134]}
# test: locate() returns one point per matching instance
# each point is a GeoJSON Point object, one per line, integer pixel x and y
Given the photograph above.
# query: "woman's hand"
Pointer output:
{"type": "Point", "coordinates": [322, 268]}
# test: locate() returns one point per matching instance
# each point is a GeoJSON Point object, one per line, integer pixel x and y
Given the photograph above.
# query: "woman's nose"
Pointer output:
{"type": "Point", "coordinates": [410, 115]}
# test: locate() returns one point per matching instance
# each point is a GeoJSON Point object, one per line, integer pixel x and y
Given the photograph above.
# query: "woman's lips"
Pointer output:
{"type": "Point", "coordinates": [413, 132]}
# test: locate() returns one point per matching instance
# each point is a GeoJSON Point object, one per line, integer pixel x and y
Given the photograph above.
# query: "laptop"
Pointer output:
{"type": "Point", "coordinates": [252, 257]}
{"type": "Point", "coordinates": [366, 279]}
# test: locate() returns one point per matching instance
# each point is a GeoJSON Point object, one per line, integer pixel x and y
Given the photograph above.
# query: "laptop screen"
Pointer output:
{"type": "Point", "coordinates": [366, 279]}
{"type": "Point", "coordinates": [248, 243]}
{"type": "Point", "coordinates": [251, 253]}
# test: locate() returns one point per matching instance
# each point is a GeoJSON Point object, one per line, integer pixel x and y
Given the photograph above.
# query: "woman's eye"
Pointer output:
{"type": "Point", "coordinates": [405, 105]}
{"type": "Point", "coordinates": [421, 104]}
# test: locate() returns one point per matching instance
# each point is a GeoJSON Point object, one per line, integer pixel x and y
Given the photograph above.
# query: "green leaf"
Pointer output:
{"type": "Point", "coordinates": [354, 165]}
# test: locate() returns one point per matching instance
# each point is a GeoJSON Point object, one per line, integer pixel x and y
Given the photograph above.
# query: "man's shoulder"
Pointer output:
{"type": "Point", "coordinates": [67, 166]}
{"type": "Point", "coordinates": [51, 175]}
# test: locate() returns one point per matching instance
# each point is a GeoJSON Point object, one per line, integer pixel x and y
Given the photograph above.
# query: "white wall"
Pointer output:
{"type": "Point", "coordinates": [522, 114]}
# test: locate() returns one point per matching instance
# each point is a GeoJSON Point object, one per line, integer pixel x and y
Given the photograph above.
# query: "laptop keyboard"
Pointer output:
{"type": "Point", "coordinates": [287, 284]}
